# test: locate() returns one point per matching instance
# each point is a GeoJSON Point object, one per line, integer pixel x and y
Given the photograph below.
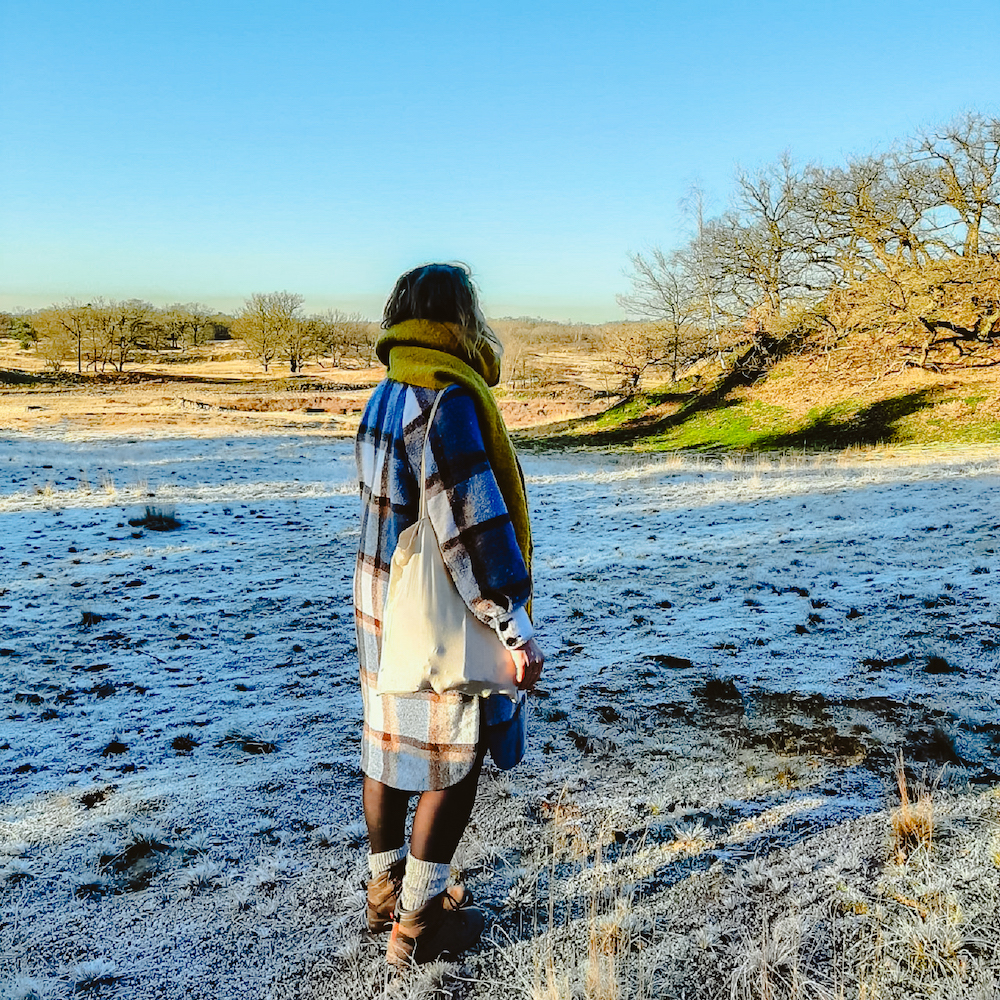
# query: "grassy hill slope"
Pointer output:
{"type": "Point", "coordinates": [810, 398]}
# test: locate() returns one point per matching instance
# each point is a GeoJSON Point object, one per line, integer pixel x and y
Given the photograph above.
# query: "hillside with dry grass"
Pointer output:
{"type": "Point", "coordinates": [799, 390]}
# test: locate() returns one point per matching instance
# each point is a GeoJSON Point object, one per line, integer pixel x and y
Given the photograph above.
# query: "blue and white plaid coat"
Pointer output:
{"type": "Point", "coordinates": [428, 741]}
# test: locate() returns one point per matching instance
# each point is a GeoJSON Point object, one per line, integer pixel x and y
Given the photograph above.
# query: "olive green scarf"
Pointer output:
{"type": "Point", "coordinates": [433, 355]}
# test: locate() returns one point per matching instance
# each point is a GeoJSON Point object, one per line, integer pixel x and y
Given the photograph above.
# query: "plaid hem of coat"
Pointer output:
{"type": "Point", "coordinates": [428, 741]}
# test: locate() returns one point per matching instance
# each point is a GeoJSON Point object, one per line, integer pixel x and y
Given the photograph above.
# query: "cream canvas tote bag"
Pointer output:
{"type": "Point", "coordinates": [431, 641]}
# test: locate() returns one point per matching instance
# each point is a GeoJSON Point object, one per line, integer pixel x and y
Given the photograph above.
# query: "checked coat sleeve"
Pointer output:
{"type": "Point", "coordinates": [470, 518]}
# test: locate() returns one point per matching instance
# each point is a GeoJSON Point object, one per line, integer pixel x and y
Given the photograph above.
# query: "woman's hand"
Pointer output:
{"type": "Point", "coordinates": [528, 660]}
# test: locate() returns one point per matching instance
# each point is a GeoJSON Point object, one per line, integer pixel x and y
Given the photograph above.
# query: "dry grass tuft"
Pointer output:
{"type": "Point", "coordinates": [691, 838]}
{"type": "Point", "coordinates": [913, 821]}
{"type": "Point", "coordinates": [769, 967]}
{"type": "Point", "coordinates": [549, 984]}
{"type": "Point", "coordinates": [93, 975]}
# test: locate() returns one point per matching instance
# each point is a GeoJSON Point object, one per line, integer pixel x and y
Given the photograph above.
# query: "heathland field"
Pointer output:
{"type": "Point", "coordinates": [764, 753]}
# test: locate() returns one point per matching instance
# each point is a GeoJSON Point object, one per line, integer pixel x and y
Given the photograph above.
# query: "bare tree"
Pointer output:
{"type": "Point", "coordinates": [663, 291]}
{"type": "Point", "coordinates": [124, 324]}
{"type": "Point", "coordinates": [961, 162]}
{"type": "Point", "coordinates": [63, 330]}
{"type": "Point", "coordinates": [102, 332]}
{"type": "Point", "coordinates": [912, 232]}
{"type": "Point", "coordinates": [185, 321]}
{"type": "Point", "coordinates": [893, 212]}
{"type": "Point", "coordinates": [861, 214]}
{"type": "Point", "coordinates": [523, 339]}
{"type": "Point", "coordinates": [875, 241]}
{"type": "Point", "coordinates": [764, 248]}
{"type": "Point", "coordinates": [702, 265]}
{"type": "Point", "coordinates": [346, 335]}
{"type": "Point", "coordinates": [266, 322]}
{"type": "Point", "coordinates": [629, 350]}
{"type": "Point", "coordinates": [56, 344]}
{"type": "Point", "coordinates": [302, 342]}
{"type": "Point", "coordinates": [201, 323]}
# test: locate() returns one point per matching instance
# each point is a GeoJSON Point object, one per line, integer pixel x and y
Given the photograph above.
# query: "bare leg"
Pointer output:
{"type": "Point", "coordinates": [442, 816]}
{"type": "Point", "coordinates": [385, 815]}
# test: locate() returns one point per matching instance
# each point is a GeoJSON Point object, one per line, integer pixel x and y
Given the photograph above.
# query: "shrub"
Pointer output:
{"type": "Point", "coordinates": [156, 520]}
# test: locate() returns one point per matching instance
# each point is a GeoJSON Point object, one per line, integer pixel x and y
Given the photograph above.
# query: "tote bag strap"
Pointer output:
{"type": "Point", "coordinates": [423, 454]}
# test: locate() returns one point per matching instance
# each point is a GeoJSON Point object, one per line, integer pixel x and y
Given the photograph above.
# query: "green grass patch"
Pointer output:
{"type": "Point", "coordinates": [643, 423]}
{"type": "Point", "coordinates": [944, 431]}
{"type": "Point", "coordinates": [740, 426]}
{"type": "Point", "coordinates": [630, 410]}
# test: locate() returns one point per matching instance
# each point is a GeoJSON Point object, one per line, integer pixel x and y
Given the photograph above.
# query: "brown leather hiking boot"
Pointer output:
{"type": "Point", "coordinates": [384, 891]}
{"type": "Point", "coordinates": [437, 928]}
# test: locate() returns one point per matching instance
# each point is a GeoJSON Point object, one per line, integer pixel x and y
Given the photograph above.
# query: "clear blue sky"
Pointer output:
{"type": "Point", "coordinates": [205, 150]}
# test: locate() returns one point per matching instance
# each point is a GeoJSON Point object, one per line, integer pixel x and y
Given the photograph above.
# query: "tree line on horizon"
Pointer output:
{"type": "Point", "coordinates": [270, 327]}
{"type": "Point", "coordinates": [112, 333]}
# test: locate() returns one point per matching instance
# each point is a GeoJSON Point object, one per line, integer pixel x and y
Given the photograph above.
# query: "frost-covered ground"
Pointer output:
{"type": "Point", "coordinates": [737, 650]}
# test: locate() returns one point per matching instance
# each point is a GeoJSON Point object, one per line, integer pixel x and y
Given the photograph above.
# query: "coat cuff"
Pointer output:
{"type": "Point", "coordinates": [515, 628]}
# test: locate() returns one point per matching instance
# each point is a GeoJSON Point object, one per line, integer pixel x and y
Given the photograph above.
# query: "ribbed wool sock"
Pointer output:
{"type": "Point", "coordinates": [423, 881]}
{"type": "Point", "coordinates": [378, 863]}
